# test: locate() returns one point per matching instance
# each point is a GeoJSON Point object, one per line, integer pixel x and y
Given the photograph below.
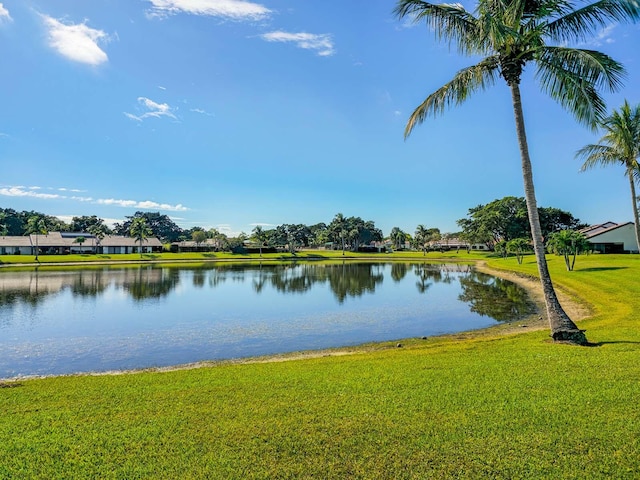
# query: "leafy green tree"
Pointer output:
{"type": "Point", "coordinates": [620, 145]}
{"type": "Point", "coordinates": [508, 35]}
{"type": "Point", "coordinates": [85, 223]}
{"type": "Point", "coordinates": [420, 238]}
{"type": "Point", "coordinates": [569, 244]}
{"type": "Point", "coordinates": [140, 231]}
{"type": "Point", "coordinates": [198, 236]}
{"type": "Point", "coordinates": [3, 225]}
{"type": "Point", "coordinates": [161, 226]}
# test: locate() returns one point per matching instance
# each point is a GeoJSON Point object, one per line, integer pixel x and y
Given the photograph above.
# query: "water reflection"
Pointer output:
{"type": "Point", "coordinates": [495, 297]}
{"type": "Point", "coordinates": [62, 321]}
{"type": "Point", "coordinates": [485, 294]}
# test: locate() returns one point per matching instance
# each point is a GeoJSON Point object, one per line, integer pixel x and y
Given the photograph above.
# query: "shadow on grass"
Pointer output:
{"type": "Point", "coordinates": [151, 256]}
{"type": "Point", "coordinates": [209, 255]}
{"type": "Point", "coordinates": [599, 269]}
{"type": "Point", "coordinates": [612, 342]}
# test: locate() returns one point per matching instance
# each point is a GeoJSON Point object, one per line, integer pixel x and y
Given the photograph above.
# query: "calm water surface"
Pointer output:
{"type": "Point", "coordinates": [58, 322]}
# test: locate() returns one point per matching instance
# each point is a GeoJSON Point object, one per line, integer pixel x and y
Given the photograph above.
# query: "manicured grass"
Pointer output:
{"type": "Point", "coordinates": [462, 406]}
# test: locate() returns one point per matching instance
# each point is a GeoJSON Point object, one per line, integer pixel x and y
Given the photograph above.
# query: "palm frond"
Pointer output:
{"type": "Point", "coordinates": [467, 81]}
{"type": "Point", "coordinates": [597, 154]}
{"type": "Point", "coordinates": [448, 21]}
{"type": "Point", "coordinates": [572, 76]}
{"type": "Point", "coordinates": [579, 25]}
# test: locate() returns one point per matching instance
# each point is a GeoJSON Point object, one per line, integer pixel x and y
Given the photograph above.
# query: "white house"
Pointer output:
{"type": "Point", "coordinates": [15, 246]}
{"type": "Point", "coordinates": [610, 237]}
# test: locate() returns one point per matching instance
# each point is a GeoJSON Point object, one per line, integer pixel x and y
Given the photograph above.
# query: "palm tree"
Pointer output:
{"type": "Point", "coordinates": [510, 34]}
{"type": "Point", "coordinates": [339, 224]}
{"type": "Point", "coordinates": [36, 226]}
{"type": "Point", "coordinates": [420, 237]}
{"type": "Point", "coordinates": [140, 231]}
{"type": "Point", "coordinates": [620, 145]}
{"type": "Point", "coordinates": [260, 236]}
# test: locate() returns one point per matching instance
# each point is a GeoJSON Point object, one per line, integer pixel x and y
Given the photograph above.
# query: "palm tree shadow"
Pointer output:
{"type": "Point", "coordinates": [599, 269]}
{"type": "Point", "coordinates": [612, 342]}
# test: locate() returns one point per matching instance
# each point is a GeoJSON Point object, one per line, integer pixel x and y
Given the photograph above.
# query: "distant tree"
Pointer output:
{"type": "Point", "coordinates": [420, 238]}
{"type": "Point", "coordinates": [507, 218]}
{"type": "Point", "coordinates": [337, 229]}
{"type": "Point", "coordinates": [3, 225]}
{"type": "Point", "coordinates": [319, 234]}
{"type": "Point", "coordinates": [569, 244]}
{"type": "Point", "coordinates": [198, 236]}
{"type": "Point", "coordinates": [620, 145]}
{"type": "Point", "coordinates": [99, 230]}
{"type": "Point", "coordinates": [37, 225]}
{"type": "Point", "coordinates": [259, 236]}
{"type": "Point", "coordinates": [79, 240]}
{"type": "Point", "coordinates": [140, 231]}
{"type": "Point", "coordinates": [398, 238]}
{"type": "Point", "coordinates": [84, 223]}
{"type": "Point", "coordinates": [161, 226]}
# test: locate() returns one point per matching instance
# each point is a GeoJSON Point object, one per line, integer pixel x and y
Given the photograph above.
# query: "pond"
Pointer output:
{"type": "Point", "coordinates": [116, 318]}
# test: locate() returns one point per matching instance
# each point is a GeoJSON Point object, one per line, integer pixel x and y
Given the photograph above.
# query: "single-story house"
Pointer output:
{"type": "Point", "coordinates": [60, 243]}
{"type": "Point", "coordinates": [113, 244]}
{"type": "Point", "coordinates": [15, 246]}
{"type": "Point", "coordinates": [611, 237]}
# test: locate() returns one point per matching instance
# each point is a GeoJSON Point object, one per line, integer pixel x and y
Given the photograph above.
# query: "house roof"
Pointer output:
{"type": "Point", "coordinates": [601, 228]}
{"type": "Point", "coordinates": [11, 241]}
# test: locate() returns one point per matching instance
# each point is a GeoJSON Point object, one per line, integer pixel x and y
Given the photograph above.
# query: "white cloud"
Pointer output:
{"type": "Point", "coordinates": [147, 204]}
{"type": "Point", "coordinates": [228, 9]}
{"type": "Point", "coordinates": [19, 191]}
{"type": "Point", "coordinates": [202, 112]}
{"type": "Point", "coordinates": [33, 192]}
{"type": "Point", "coordinates": [321, 43]}
{"type": "Point", "coordinates": [4, 14]}
{"type": "Point", "coordinates": [76, 42]}
{"type": "Point", "coordinates": [603, 36]}
{"type": "Point", "coordinates": [153, 109]}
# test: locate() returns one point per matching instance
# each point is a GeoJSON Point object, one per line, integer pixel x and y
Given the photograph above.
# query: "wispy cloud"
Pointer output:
{"type": "Point", "coordinates": [604, 36]}
{"type": "Point", "coordinates": [152, 109]}
{"type": "Point", "coordinates": [36, 192]}
{"type": "Point", "coordinates": [76, 42]}
{"type": "Point", "coordinates": [227, 9]}
{"type": "Point", "coordinates": [201, 112]}
{"type": "Point", "coordinates": [4, 14]}
{"type": "Point", "coordinates": [145, 205]}
{"type": "Point", "coordinates": [322, 43]}
{"type": "Point", "coordinates": [20, 191]}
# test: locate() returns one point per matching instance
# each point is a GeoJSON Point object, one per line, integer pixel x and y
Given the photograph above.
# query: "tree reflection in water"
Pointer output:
{"type": "Point", "coordinates": [485, 294]}
{"type": "Point", "coordinates": [495, 297]}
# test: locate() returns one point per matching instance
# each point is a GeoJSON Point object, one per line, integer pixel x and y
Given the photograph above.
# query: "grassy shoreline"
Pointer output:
{"type": "Point", "coordinates": [475, 405]}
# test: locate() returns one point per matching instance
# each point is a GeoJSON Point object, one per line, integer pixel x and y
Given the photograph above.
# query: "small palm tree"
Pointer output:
{"type": "Point", "coordinates": [569, 244]}
{"type": "Point", "coordinates": [260, 236]}
{"type": "Point", "coordinates": [140, 231]}
{"type": "Point", "coordinates": [36, 226]}
{"type": "Point", "coordinates": [510, 34]}
{"type": "Point", "coordinates": [620, 145]}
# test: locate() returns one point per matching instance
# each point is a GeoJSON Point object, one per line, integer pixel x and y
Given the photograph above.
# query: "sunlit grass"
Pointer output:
{"type": "Point", "coordinates": [460, 406]}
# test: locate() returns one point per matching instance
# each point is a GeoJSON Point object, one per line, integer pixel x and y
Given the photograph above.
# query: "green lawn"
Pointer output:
{"type": "Point", "coordinates": [462, 406]}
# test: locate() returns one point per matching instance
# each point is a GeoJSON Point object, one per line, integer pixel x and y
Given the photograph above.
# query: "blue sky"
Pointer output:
{"type": "Point", "coordinates": [229, 114]}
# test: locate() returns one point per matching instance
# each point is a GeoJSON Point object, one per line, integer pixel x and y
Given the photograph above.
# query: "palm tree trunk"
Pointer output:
{"type": "Point", "coordinates": [634, 201]}
{"type": "Point", "coordinates": [562, 327]}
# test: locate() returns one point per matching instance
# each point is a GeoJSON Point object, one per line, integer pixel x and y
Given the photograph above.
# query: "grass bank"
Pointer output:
{"type": "Point", "coordinates": [463, 406]}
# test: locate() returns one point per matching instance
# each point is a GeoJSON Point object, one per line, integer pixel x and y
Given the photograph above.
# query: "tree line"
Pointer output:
{"type": "Point", "coordinates": [493, 224]}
